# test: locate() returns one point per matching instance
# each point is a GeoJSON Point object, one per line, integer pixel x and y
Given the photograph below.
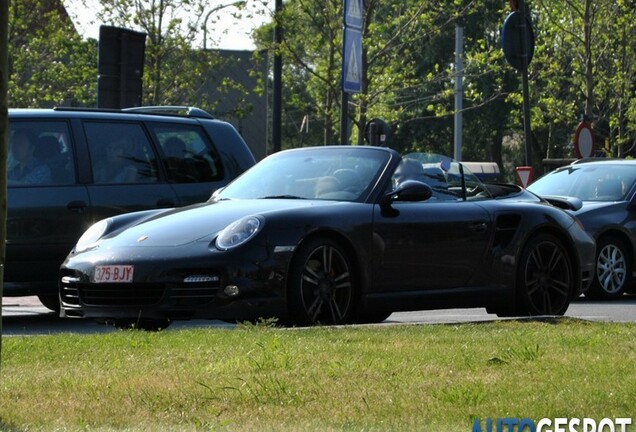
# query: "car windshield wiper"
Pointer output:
{"type": "Point", "coordinates": [286, 196]}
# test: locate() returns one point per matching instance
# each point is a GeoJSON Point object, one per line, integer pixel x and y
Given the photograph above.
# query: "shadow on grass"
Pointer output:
{"type": "Point", "coordinates": [4, 427]}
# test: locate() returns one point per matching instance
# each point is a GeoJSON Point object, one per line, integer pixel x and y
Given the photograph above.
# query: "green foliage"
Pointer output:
{"type": "Point", "coordinates": [584, 63]}
{"type": "Point", "coordinates": [48, 63]}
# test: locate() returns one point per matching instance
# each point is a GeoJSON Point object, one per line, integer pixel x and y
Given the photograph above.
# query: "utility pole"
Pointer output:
{"type": "Point", "coordinates": [517, 38]}
{"type": "Point", "coordinates": [277, 90]}
{"type": "Point", "coordinates": [527, 130]}
{"type": "Point", "coordinates": [459, 91]}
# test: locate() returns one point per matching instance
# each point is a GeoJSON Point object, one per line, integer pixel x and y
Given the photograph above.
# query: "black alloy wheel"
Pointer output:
{"type": "Point", "coordinates": [322, 284]}
{"type": "Point", "coordinates": [613, 269]}
{"type": "Point", "coordinates": [546, 280]}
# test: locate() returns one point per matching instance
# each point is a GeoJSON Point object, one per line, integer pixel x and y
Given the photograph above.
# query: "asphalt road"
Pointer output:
{"type": "Point", "coordinates": [26, 316]}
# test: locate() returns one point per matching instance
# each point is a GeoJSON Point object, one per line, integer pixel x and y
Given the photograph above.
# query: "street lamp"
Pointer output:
{"type": "Point", "coordinates": [204, 27]}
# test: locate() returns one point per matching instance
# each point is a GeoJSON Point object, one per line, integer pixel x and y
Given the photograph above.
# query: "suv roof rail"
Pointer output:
{"type": "Point", "coordinates": [171, 110]}
{"type": "Point", "coordinates": [188, 111]}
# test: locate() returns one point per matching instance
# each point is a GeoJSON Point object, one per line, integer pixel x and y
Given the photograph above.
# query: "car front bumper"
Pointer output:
{"type": "Point", "coordinates": [236, 285]}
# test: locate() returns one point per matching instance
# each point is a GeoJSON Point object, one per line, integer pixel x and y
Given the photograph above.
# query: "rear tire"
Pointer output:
{"type": "Point", "coordinates": [322, 284]}
{"type": "Point", "coordinates": [545, 282]}
{"type": "Point", "coordinates": [372, 317]}
{"type": "Point", "coordinates": [613, 273]}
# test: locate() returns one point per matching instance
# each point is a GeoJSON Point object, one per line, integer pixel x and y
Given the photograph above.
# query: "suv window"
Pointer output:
{"type": "Point", "coordinates": [120, 153]}
{"type": "Point", "coordinates": [40, 153]}
{"type": "Point", "coordinates": [188, 155]}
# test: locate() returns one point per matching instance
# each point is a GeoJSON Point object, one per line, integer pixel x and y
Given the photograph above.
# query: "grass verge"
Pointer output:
{"type": "Point", "coordinates": [376, 378]}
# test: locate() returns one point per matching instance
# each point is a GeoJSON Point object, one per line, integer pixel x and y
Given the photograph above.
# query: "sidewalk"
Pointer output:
{"type": "Point", "coordinates": [21, 301]}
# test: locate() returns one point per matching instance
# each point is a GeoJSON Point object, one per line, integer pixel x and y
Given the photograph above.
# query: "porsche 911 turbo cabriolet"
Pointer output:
{"type": "Point", "coordinates": [332, 235]}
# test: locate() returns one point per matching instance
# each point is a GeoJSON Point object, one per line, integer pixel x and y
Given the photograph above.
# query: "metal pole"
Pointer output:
{"type": "Point", "coordinates": [459, 91]}
{"type": "Point", "coordinates": [344, 119]}
{"type": "Point", "coordinates": [527, 131]}
{"type": "Point", "coordinates": [277, 91]}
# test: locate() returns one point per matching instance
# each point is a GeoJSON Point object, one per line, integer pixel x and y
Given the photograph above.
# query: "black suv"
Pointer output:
{"type": "Point", "coordinates": [69, 167]}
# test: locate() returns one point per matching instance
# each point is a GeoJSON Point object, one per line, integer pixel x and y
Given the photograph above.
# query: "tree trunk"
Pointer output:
{"type": "Point", "coordinates": [4, 140]}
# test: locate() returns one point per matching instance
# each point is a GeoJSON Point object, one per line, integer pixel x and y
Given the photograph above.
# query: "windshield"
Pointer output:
{"type": "Point", "coordinates": [344, 174]}
{"type": "Point", "coordinates": [592, 182]}
{"type": "Point", "coordinates": [443, 175]}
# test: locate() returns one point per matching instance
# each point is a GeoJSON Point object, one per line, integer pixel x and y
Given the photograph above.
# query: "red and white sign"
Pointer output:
{"type": "Point", "coordinates": [525, 175]}
{"type": "Point", "coordinates": [113, 273]}
{"type": "Point", "coordinates": [584, 140]}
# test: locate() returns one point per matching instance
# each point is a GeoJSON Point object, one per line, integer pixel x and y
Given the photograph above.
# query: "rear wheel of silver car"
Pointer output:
{"type": "Point", "coordinates": [613, 269]}
{"type": "Point", "coordinates": [322, 284]}
{"type": "Point", "coordinates": [546, 280]}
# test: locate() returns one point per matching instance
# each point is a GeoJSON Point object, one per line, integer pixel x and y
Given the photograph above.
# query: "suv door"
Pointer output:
{"type": "Point", "coordinates": [125, 171]}
{"type": "Point", "coordinates": [47, 208]}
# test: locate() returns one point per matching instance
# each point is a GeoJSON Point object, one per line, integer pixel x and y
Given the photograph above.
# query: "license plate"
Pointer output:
{"type": "Point", "coordinates": [113, 274]}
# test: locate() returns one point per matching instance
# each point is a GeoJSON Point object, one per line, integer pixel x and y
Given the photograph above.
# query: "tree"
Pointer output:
{"type": "Point", "coordinates": [586, 67]}
{"type": "Point", "coordinates": [407, 69]}
{"type": "Point", "coordinates": [48, 62]}
{"type": "Point", "coordinates": [312, 41]}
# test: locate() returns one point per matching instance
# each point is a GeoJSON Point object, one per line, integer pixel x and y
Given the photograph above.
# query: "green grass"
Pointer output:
{"type": "Point", "coordinates": [376, 378]}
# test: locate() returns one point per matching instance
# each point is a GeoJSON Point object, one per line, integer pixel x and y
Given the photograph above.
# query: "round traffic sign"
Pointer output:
{"type": "Point", "coordinates": [511, 34]}
{"type": "Point", "coordinates": [584, 140]}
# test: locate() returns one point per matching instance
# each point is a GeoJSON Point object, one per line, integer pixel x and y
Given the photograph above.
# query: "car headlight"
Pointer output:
{"type": "Point", "coordinates": [91, 235]}
{"type": "Point", "coordinates": [239, 232]}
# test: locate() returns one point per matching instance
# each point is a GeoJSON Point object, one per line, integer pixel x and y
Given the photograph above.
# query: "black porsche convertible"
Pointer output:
{"type": "Point", "coordinates": [332, 235]}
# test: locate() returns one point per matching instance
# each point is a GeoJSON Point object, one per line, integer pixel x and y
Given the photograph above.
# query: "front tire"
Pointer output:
{"type": "Point", "coordinates": [321, 284]}
{"type": "Point", "coordinates": [51, 302]}
{"type": "Point", "coordinates": [613, 270]}
{"type": "Point", "coordinates": [546, 279]}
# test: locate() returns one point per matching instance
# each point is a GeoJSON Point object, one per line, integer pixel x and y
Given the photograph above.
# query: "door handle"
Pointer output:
{"type": "Point", "coordinates": [77, 206]}
{"type": "Point", "coordinates": [478, 226]}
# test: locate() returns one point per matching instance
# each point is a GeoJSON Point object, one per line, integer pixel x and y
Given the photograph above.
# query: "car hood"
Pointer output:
{"type": "Point", "coordinates": [203, 222]}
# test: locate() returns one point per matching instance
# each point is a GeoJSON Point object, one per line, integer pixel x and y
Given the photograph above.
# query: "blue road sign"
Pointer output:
{"type": "Point", "coordinates": [353, 14]}
{"type": "Point", "coordinates": [352, 61]}
{"type": "Point", "coordinates": [511, 34]}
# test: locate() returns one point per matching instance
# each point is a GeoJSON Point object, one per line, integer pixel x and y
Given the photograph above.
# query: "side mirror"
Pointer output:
{"type": "Point", "coordinates": [566, 203]}
{"type": "Point", "coordinates": [410, 191]}
{"type": "Point", "coordinates": [215, 194]}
